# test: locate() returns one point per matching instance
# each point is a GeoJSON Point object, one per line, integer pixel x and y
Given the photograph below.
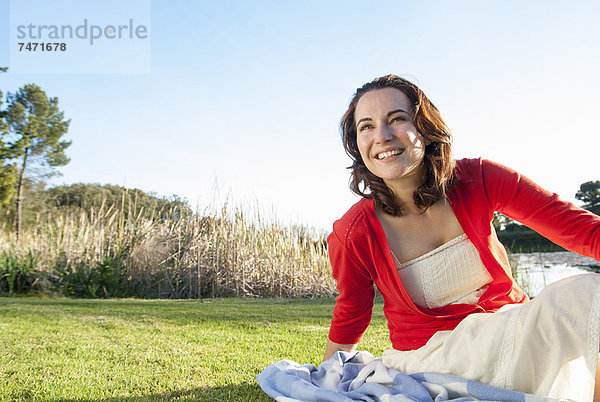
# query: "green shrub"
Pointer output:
{"type": "Point", "coordinates": [17, 272]}
{"type": "Point", "coordinates": [100, 280]}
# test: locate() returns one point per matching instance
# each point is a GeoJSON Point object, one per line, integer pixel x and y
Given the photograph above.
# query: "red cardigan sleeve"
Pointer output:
{"type": "Point", "coordinates": [521, 199]}
{"type": "Point", "coordinates": [354, 305]}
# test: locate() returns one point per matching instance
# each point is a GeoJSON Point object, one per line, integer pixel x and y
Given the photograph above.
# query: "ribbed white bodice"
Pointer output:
{"type": "Point", "coordinates": [453, 273]}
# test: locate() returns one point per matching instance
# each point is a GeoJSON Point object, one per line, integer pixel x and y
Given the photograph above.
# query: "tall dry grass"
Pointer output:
{"type": "Point", "coordinates": [118, 253]}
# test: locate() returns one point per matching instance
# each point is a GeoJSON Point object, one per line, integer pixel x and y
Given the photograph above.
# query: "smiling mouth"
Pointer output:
{"type": "Point", "coordinates": [388, 154]}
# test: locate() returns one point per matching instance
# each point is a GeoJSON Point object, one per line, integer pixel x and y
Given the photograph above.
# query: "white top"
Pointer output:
{"type": "Point", "coordinates": [453, 273]}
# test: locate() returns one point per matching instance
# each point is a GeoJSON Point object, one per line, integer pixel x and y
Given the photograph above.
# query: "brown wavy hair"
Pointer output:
{"type": "Point", "coordinates": [438, 161]}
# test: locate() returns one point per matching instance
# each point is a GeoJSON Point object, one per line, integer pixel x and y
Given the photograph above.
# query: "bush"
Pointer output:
{"type": "Point", "coordinates": [17, 272]}
{"type": "Point", "coordinates": [101, 280]}
{"type": "Point", "coordinates": [520, 239]}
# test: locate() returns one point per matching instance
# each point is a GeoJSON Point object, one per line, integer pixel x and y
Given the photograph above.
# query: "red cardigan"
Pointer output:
{"type": "Point", "coordinates": [360, 254]}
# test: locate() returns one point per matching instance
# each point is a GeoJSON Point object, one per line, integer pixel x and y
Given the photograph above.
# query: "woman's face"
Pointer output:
{"type": "Point", "coordinates": [387, 139]}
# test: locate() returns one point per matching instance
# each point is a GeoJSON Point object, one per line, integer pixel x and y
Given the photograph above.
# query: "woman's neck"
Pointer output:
{"type": "Point", "coordinates": [404, 190]}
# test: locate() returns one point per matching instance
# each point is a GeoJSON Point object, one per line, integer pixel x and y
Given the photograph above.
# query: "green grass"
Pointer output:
{"type": "Point", "coordinates": [156, 350]}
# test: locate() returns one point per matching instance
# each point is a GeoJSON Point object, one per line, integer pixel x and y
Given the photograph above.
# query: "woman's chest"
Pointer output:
{"type": "Point", "coordinates": [411, 236]}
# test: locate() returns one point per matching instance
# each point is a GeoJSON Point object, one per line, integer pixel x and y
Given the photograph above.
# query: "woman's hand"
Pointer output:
{"type": "Point", "coordinates": [333, 347]}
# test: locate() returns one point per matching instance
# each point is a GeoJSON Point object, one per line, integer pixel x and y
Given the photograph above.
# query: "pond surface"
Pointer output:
{"type": "Point", "coordinates": [533, 271]}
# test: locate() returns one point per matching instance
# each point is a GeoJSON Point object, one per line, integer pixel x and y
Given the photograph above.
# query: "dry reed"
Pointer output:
{"type": "Point", "coordinates": [227, 252]}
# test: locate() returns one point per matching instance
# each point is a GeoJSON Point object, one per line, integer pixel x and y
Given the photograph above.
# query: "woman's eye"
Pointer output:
{"type": "Point", "coordinates": [364, 127]}
{"type": "Point", "coordinates": [399, 118]}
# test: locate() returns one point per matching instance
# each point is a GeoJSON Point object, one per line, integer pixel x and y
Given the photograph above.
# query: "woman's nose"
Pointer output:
{"type": "Point", "coordinates": [384, 133]}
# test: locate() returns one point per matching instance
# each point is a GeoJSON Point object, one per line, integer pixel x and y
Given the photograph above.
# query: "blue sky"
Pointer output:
{"type": "Point", "coordinates": [247, 95]}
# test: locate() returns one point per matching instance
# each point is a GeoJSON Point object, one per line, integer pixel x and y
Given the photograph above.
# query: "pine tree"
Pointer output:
{"type": "Point", "coordinates": [7, 170]}
{"type": "Point", "coordinates": [35, 127]}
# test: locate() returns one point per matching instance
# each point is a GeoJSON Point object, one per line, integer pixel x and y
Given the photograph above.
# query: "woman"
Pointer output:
{"type": "Point", "coordinates": [422, 234]}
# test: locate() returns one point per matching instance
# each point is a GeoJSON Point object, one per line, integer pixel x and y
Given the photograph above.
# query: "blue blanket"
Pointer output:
{"type": "Point", "coordinates": [359, 376]}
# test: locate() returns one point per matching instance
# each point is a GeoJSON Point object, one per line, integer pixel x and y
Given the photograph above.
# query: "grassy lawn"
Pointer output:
{"type": "Point", "coordinates": [156, 350]}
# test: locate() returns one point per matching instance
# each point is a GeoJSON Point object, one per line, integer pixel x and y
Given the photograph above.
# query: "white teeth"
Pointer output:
{"type": "Point", "coordinates": [387, 154]}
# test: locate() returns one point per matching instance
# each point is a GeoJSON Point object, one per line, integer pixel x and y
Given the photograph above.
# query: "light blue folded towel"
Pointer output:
{"type": "Point", "coordinates": [359, 376]}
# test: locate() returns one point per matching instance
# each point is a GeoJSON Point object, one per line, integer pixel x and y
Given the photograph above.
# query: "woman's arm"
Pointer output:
{"type": "Point", "coordinates": [333, 347]}
{"type": "Point", "coordinates": [520, 198]}
{"type": "Point", "coordinates": [354, 304]}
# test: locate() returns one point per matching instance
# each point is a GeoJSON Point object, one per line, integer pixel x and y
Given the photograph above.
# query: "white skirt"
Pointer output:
{"type": "Point", "coordinates": [547, 347]}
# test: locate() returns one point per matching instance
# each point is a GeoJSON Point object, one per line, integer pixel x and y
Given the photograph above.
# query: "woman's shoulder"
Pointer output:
{"type": "Point", "coordinates": [468, 168]}
{"type": "Point", "coordinates": [484, 170]}
{"type": "Point", "coordinates": [470, 165]}
{"type": "Point", "coordinates": [355, 222]}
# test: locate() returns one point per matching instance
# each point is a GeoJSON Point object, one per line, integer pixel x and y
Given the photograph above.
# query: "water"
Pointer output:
{"type": "Point", "coordinates": [533, 271]}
